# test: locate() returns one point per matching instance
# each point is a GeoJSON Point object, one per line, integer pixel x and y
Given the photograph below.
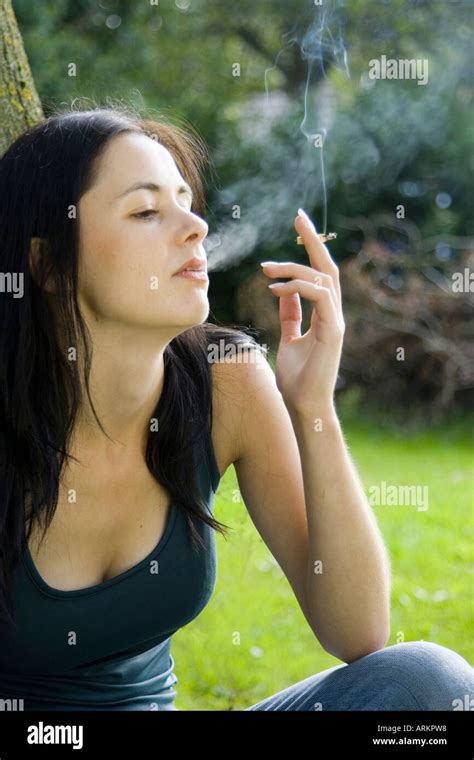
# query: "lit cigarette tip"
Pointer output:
{"type": "Point", "coordinates": [323, 238]}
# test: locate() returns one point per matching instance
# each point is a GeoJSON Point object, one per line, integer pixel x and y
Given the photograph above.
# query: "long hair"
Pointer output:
{"type": "Point", "coordinates": [43, 175]}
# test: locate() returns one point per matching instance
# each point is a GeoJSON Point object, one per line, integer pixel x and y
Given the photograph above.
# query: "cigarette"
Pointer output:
{"type": "Point", "coordinates": [323, 238]}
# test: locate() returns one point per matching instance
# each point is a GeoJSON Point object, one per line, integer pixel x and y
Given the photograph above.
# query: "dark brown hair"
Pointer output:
{"type": "Point", "coordinates": [42, 174]}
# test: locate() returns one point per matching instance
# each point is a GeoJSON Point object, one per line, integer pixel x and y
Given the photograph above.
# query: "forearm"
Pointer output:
{"type": "Point", "coordinates": [348, 574]}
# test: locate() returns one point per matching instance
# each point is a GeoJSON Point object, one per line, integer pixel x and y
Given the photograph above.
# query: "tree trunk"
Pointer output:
{"type": "Point", "coordinates": [20, 106]}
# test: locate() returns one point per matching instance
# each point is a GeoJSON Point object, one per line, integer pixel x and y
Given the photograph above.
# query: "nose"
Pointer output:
{"type": "Point", "coordinates": [194, 230]}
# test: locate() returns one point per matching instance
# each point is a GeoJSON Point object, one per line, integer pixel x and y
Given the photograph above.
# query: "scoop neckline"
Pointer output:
{"type": "Point", "coordinates": [51, 591]}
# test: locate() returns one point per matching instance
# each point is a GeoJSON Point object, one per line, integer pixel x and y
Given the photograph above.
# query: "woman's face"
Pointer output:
{"type": "Point", "coordinates": [132, 242]}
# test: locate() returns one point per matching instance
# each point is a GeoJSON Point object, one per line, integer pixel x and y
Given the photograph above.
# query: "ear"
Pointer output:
{"type": "Point", "coordinates": [38, 248]}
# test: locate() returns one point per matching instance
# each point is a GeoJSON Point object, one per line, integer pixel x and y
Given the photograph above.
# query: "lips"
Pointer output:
{"type": "Point", "coordinates": [193, 265]}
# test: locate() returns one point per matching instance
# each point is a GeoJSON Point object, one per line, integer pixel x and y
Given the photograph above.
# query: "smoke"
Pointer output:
{"type": "Point", "coordinates": [370, 132]}
{"type": "Point", "coordinates": [291, 170]}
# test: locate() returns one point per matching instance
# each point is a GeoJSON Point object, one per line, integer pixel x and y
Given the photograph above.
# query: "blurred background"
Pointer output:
{"type": "Point", "coordinates": [299, 106]}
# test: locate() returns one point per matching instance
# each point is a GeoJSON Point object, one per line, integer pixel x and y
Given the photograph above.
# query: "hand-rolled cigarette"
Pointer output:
{"type": "Point", "coordinates": [323, 238]}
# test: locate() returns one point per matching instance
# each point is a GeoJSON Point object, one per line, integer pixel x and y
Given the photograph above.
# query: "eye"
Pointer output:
{"type": "Point", "coordinates": [147, 214]}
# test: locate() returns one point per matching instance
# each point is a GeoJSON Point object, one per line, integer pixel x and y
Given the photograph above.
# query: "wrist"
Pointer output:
{"type": "Point", "coordinates": [319, 413]}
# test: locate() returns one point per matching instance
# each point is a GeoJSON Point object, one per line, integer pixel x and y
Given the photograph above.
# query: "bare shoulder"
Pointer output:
{"type": "Point", "coordinates": [234, 381]}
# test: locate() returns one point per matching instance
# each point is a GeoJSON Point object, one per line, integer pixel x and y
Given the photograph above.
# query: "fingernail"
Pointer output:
{"type": "Point", "coordinates": [264, 263]}
{"type": "Point", "coordinates": [304, 216]}
{"type": "Point", "coordinates": [308, 222]}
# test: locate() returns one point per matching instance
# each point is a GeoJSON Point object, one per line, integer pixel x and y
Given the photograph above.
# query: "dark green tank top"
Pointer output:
{"type": "Point", "coordinates": [107, 647]}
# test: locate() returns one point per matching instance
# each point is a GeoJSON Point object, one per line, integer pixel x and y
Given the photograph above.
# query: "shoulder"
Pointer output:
{"type": "Point", "coordinates": [239, 381]}
{"type": "Point", "coordinates": [262, 445]}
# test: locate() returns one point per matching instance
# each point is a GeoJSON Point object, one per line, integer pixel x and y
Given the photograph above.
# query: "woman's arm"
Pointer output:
{"type": "Point", "coordinates": [346, 583]}
{"type": "Point", "coordinates": [348, 573]}
{"type": "Point", "coordinates": [304, 496]}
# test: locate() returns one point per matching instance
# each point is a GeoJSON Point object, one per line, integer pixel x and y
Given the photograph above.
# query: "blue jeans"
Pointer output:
{"type": "Point", "coordinates": [414, 675]}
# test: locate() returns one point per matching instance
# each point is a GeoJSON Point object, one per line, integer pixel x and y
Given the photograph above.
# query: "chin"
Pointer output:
{"type": "Point", "coordinates": [192, 317]}
{"type": "Point", "coordinates": [200, 315]}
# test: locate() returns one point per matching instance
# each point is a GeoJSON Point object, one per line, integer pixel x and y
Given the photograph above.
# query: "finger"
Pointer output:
{"type": "Point", "coordinates": [290, 316]}
{"type": "Point", "coordinates": [320, 296]}
{"type": "Point", "coordinates": [318, 253]}
{"type": "Point", "coordinates": [303, 272]}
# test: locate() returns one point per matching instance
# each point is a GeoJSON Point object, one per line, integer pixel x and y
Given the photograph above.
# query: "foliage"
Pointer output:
{"type": "Point", "coordinates": [395, 167]}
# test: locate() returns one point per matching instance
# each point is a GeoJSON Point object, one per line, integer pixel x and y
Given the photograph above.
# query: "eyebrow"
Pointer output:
{"type": "Point", "coordinates": [184, 188]}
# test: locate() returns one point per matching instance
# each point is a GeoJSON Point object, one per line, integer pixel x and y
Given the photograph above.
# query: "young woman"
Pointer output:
{"type": "Point", "coordinates": [116, 427]}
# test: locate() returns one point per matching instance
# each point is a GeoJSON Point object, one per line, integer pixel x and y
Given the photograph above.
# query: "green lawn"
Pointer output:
{"type": "Point", "coordinates": [252, 639]}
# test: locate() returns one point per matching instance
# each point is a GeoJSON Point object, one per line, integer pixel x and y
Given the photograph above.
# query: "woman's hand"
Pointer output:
{"type": "Point", "coordinates": [307, 365]}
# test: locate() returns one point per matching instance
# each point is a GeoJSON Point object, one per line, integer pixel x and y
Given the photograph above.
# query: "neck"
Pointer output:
{"type": "Point", "coordinates": [126, 383]}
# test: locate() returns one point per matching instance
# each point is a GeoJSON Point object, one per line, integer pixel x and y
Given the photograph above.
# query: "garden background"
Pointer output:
{"type": "Point", "coordinates": [393, 177]}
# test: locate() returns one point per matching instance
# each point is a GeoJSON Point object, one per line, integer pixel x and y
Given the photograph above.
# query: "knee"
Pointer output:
{"type": "Point", "coordinates": [437, 677]}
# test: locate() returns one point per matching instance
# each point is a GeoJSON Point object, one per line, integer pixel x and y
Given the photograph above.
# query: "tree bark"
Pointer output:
{"type": "Point", "coordinates": [20, 106]}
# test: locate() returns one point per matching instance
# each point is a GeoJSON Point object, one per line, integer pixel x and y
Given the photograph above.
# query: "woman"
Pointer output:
{"type": "Point", "coordinates": [116, 427]}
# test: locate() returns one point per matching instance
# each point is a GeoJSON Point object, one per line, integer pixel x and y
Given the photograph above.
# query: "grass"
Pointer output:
{"type": "Point", "coordinates": [252, 639]}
